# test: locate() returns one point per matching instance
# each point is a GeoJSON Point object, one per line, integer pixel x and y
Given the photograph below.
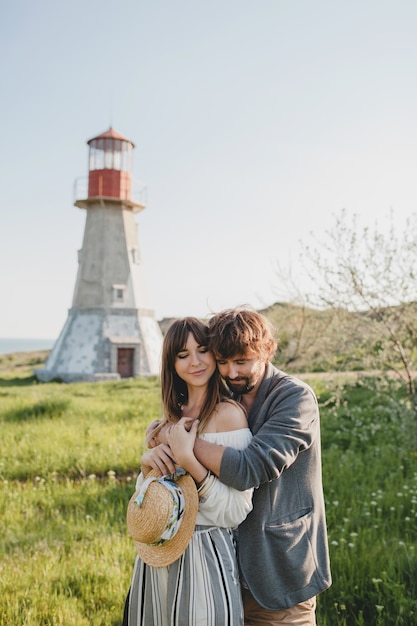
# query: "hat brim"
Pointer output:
{"type": "Point", "coordinates": [161, 556]}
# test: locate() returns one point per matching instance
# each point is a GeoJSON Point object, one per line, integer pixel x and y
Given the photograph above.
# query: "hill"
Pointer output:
{"type": "Point", "coordinates": [22, 361]}
{"type": "Point", "coordinates": [312, 340]}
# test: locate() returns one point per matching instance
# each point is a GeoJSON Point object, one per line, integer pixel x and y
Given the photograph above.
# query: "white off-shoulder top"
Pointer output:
{"type": "Point", "coordinates": [220, 505]}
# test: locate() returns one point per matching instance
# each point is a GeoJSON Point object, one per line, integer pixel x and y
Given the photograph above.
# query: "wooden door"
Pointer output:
{"type": "Point", "coordinates": [125, 358]}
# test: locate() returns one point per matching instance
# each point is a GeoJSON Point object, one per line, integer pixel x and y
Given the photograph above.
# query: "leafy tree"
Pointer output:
{"type": "Point", "coordinates": [371, 272]}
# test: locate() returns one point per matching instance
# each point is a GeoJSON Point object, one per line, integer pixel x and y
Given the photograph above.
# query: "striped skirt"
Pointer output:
{"type": "Point", "coordinates": [200, 589]}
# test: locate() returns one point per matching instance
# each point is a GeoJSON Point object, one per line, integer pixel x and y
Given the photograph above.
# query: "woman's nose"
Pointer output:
{"type": "Point", "coordinates": [195, 358]}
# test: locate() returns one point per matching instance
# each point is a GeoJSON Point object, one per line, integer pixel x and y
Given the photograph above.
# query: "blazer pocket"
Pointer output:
{"type": "Point", "coordinates": [289, 519]}
{"type": "Point", "coordinates": [288, 545]}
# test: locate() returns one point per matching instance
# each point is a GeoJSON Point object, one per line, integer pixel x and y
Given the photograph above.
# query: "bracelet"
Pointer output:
{"type": "Point", "coordinates": [203, 482]}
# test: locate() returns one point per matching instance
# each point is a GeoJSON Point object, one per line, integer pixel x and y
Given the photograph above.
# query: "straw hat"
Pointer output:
{"type": "Point", "coordinates": [161, 517]}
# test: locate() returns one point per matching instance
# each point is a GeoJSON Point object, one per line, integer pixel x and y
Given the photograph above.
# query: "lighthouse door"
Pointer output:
{"type": "Point", "coordinates": [125, 360]}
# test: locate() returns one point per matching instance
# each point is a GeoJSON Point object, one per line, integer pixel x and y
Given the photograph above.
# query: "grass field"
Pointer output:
{"type": "Point", "coordinates": [69, 456]}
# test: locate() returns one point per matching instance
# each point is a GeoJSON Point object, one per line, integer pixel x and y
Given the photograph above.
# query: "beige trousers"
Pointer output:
{"type": "Point", "coordinates": [303, 614]}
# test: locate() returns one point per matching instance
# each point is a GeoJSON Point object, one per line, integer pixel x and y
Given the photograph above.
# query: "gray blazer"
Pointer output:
{"type": "Point", "coordinates": [283, 550]}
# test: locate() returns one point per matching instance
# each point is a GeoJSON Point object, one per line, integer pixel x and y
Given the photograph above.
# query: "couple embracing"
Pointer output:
{"type": "Point", "coordinates": [251, 546]}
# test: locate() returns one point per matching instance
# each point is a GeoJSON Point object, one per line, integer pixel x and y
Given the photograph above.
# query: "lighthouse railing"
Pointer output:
{"type": "Point", "coordinates": [139, 191]}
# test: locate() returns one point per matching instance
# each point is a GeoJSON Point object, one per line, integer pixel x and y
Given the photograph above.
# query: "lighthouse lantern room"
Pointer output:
{"type": "Point", "coordinates": [111, 330]}
{"type": "Point", "coordinates": [110, 161]}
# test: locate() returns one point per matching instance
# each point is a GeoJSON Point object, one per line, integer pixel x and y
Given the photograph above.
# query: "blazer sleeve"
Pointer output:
{"type": "Point", "coordinates": [287, 423]}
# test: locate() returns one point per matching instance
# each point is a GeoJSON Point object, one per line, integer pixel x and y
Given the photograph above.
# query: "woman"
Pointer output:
{"type": "Point", "coordinates": [202, 586]}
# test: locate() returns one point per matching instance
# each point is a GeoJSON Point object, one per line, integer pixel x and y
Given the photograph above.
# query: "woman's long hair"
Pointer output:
{"type": "Point", "coordinates": [174, 389]}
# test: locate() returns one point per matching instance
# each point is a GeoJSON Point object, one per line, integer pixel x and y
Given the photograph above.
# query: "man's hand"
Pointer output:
{"type": "Point", "coordinates": [161, 437]}
{"type": "Point", "coordinates": [152, 441]}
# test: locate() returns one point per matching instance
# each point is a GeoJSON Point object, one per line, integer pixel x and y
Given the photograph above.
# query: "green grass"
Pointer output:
{"type": "Point", "coordinates": [65, 557]}
{"type": "Point", "coordinates": [370, 482]}
{"type": "Point", "coordinates": [68, 460]}
{"type": "Point", "coordinates": [74, 430]}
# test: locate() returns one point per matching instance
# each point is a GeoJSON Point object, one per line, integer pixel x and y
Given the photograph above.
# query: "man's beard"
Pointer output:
{"type": "Point", "coordinates": [243, 385]}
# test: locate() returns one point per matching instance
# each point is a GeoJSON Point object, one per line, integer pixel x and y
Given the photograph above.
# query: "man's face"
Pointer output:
{"type": "Point", "coordinates": [243, 373]}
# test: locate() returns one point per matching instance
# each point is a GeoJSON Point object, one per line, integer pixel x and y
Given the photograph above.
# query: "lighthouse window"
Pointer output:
{"type": "Point", "coordinates": [117, 155]}
{"type": "Point", "coordinates": [110, 154]}
{"type": "Point", "coordinates": [97, 156]}
{"type": "Point", "coordinates": [99, 159]}
{"type": "Point", "coordinates": [108, 159]}
{"type": "Point", "coordinates": [125, 157]}
{"type": "Point", "coordinates": [119, 293]}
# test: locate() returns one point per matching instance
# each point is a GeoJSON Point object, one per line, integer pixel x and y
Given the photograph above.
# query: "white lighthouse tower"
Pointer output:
{"type": "Point", "coordinates": [111, 331]}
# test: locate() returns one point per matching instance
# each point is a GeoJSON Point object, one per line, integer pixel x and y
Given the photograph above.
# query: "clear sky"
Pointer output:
{"type": "Point", "coordinates": [254, 121]}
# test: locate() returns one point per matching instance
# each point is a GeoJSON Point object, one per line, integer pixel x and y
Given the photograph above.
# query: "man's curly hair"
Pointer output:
{"type": "Point", "coordinates": [241, 331]}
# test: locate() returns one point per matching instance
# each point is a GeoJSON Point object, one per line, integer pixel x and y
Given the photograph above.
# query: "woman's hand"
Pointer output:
{"type": "Point", "coordinates": [181, 437]}
{"type": "Point", "coordinates": [160, 459]}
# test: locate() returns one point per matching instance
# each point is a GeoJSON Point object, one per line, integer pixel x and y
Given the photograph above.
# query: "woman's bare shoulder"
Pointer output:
{"type": "Point", "coordinates": [230, 415]}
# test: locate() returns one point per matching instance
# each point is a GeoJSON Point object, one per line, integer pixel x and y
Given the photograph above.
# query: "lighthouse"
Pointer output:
{"type": "Point", "coordinates": [111, 331]}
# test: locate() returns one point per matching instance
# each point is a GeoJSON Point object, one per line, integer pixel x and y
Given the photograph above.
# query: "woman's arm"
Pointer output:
{"type": "Point", "coordinates": [222, 505]}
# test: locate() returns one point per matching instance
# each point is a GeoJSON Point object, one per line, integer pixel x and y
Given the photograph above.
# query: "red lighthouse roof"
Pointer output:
{"type": "Point", "coordinates": [111, 134]}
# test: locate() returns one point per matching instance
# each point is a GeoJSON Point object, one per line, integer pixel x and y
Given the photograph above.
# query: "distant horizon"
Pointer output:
{"type": "Point", "coordinates": [9, 345]}
{"type": "Point", "coordinates": [30, 338]}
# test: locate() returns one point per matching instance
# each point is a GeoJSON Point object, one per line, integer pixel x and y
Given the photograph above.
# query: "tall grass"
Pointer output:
{"type": "Point", "coordinates": [70, 453]}
{"type": "Point", "coordinates": [75, 430]}
{"type": "Point", "coordinates": [68, 458]}
{"type": "Point", "coordinates": [370, 482]}
{"type": "Point", "coordinates": [65, 558]}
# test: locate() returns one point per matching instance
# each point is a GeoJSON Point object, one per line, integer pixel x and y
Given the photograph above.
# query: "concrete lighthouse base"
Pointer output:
{"type": "Point", "coordinates": [99, 344]}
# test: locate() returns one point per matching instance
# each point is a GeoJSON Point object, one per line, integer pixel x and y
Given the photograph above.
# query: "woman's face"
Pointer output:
{"type": "Point", "coordinates": [195, 364]}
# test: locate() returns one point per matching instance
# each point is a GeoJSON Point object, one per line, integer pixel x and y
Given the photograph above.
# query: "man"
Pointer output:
{"type": "Point", "coordinates": [283, 551]}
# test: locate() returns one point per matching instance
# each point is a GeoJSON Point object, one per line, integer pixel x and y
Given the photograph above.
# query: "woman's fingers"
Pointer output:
{"type": "Point", "coordinates": [159, 459]}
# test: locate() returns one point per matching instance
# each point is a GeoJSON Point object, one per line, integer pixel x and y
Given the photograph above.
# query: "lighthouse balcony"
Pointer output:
{"type": "Point", "coordinates": [135, 197]}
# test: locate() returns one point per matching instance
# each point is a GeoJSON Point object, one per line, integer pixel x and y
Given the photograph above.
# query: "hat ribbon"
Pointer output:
{"type": "Point", "coordinates": [178, 508]}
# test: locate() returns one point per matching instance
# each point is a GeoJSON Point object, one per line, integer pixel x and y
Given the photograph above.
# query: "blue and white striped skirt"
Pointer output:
{"type": "Point", "coordinates": [200, 589]}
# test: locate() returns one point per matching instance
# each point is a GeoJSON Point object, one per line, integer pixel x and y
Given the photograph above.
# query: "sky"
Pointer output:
{"type": "Point", "coordinates": [254, 123]}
